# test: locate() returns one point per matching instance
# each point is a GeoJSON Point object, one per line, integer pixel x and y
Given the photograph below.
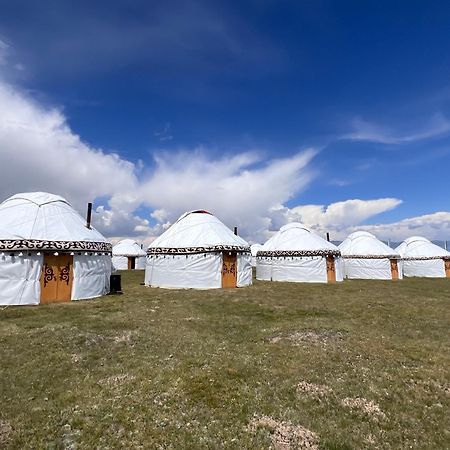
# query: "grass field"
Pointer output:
{"type": "Point", "coordinates": [360, 364]}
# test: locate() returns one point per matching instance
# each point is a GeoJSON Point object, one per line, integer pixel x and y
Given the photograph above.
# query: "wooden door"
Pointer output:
{"type": "Point", "coordinates": [394, 269]}
{"type": "Point", "coordinates": [131, 263]}
{"type": "Point", "coordinates": [331, 270]}
{"type": "Point", "coordinates": [56, 278]}
{"type": "Point", "coordinates": [229, 270]}
{"type": "Point", "coordinates": [447, 267]}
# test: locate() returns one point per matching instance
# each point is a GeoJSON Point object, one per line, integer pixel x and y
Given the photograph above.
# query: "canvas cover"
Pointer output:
{"type": "Point", "coordinates": [189, 254]}
{"type": "Point", "coordinates": [297, 254]}
{"type": "Point", "coordinates": [254, 250]}
{"type": "Point", "coordinates": [128, 248]}
{"type": "Point", "coordinates": [38, 222]}
{"type": "Point", "coordinates": [366, 257]}
{"type": "Point", "coordinates": [422, 258]}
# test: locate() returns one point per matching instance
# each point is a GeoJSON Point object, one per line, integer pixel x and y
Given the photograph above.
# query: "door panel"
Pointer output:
{"type": "Point", "coordinates": [394, 269]}
{"type": "Point", "coordinates": [447, 267]}
{"type": "Point", "coordinates": [331, 270]}
{"type": "Point", "coordinates": [229, 270]}
{"type": "Point", "coordinates": [56, 278]}
{"type": "Point", "coordinates": [131, 263]}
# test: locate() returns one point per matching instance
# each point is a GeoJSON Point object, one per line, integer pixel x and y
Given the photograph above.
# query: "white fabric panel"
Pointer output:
{"type": "Point", "coordinates": [121, 262]}
{"type": "Point", "coordinates": [339, 268]}
{"type": "Point", "coordinates": [418, 246]}
{"type": "Point", "coordinates": [128, 247]}
{"type": "Point", "coordinates": [244, 269]}
{"type": "Point", "coordinates": [253, 261]}
{"type": "Point", "coordinates": [432, 268]}
{"type": "Point", "coordinates": [90, 276]}
{"type": "Point", "coordinates": [306, 269]}
{"type": "Point", "coordinates": [19, 279]}
{"type": "Point", "coordinates": [178, 271]}
{"type": "Point", "coordinates": [368, 269]}
{"type": "Point", "coordinates": [362, 243]}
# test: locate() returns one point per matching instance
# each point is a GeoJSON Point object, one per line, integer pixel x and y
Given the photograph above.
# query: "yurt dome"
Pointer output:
{"type": "Point", "coordinates": [422, 258]}
{"type": "Point", "coordinates": [295, 253]}
{"type": "Point", "coordinates": [128, 255]}
{"type": "Point", "coordinates": [366, 257]}
{"type": "Point", "coordinates": [254, 250]}
{"type": "Point", "coordinates": [198, 251]}
{"type": "Point", "coordinates": [47, 253]}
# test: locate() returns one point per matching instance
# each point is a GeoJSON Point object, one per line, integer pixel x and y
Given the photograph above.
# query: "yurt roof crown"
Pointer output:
{"type": "Point", "coordinates": [43, 221]}
{"type": "Point", "coordinates": [197, 232]}
{"type": "Point", "coordinates": [418, 247]}
{"type": "Point", "coordinates": [362, 244]}
{"type": "Point", "coordinates": [296, 239]}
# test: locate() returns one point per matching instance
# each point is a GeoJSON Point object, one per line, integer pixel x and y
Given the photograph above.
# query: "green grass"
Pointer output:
{"type": "Point", "coordinates": [158, 368]}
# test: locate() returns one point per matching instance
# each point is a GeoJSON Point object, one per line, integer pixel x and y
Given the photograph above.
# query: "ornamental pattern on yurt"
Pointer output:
{"type": "Point", "coordinates": [192, 250]}
{"type": "Point", "coordinates": [371, 257]}
{"type": "Point", "coordinates": [35, 244]}
{"type": "Point", "coordinates": [424, 258]}
{"type": "Point", "coordinates": [284, 253]}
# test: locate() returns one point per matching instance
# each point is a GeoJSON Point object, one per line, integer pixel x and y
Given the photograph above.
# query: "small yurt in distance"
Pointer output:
{"type": "Point", "coordinates": [198, 251]}
{"type": "Point", "coordinates": [295, 253]}
{"type": "Point", "coordinates": [254, 250]}
{"type": "Point", "coordinates": [366, 257]}
{"type": "Point", "coordinates": [48, 253]}
{"type": "Point", "coordinates": [422, 258]}
{"type": "Point", "coordinates": [128, 255]}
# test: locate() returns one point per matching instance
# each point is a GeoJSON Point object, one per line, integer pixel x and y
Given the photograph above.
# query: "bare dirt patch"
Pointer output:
{"type": "Point", "coordinates": [124, 338]}
{"type": "Point", "coordinates": [364, 406]}
{"type": "Point", "coordinates": [317, 391]}
{"type": "Point", "coordinates": [285, 435]}
{"type": "Point", "coordinates": [5, 433]}
{"type": "Point", "coordinates": [310, 337]}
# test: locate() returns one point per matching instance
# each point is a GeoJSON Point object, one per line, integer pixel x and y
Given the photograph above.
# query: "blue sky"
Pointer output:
{"type": "Point", "coordinates": [365, 84]}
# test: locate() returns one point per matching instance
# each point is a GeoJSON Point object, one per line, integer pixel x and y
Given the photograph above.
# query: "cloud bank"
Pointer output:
{"type": "Point", "coordinates": [39, 151]}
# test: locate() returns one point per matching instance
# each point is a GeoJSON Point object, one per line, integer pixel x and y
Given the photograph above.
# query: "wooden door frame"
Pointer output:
{"type": "Point", "coordinates": [233, 270]}
{"type": "Point", "coordinates": [392, 263]}
{"type": "Point", "coordinates": [63, 274]}
{"type": "Point", "coordinates": [331, 274]}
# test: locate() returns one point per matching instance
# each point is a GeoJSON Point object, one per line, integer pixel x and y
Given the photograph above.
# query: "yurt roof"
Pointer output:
{"type": "Point", "coordinates": [295, 239]}
{"type": "Point", "coordinates": [418, 247]}
{"type": "Point", "coordinates": [197, 232]}
{"type": "Point", "coordinates": [362, 244]}
{"type": "Point", "coordinates": [128, 247]}
{"type": "Point", "coordinates": [39, 220]}
{"type": "Point", "coordinates": [255, 248]}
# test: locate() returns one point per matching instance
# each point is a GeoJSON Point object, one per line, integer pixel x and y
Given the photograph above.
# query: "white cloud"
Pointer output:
{"type": "Point", "coordinates": [432, 226]}
{"type": "Point", "coordinates": [367, 131]}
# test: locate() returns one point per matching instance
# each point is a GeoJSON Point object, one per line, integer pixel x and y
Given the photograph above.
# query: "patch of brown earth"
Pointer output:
{"type": "Point", "coordinates": [285, 435]}
{"type": "Point", "coordinates": [310, 337]}
{"type": "Point", "coordinates": [5, 433]}
{"type": "Point", "coordinates": [364, 406]}
{"type": "Point", "coordinates": [316, 391]}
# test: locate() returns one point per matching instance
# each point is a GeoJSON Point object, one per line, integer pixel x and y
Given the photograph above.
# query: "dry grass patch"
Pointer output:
{"type": "Point", "coordinates": [317, 391]}
{"type": "Point", "coordinates": [5, 433]}
{"type": "Point", "coordinates": [285, 435]}
{"type": "Point", "coordinates": [116, 380]}
{"type": "Point", "coordinates": [316, 337]}
{"type": "Point", "coordinates": [363, 406]}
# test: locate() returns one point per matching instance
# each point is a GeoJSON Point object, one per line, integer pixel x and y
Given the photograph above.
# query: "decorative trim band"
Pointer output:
{"type": "Point", "coordinates": [371, 257]}
{"type": "Point", "coordinates": [425, 258]}
{"type": "Point", "coordinates": [283, 253]}
{"type": "Point", "coordinates": [63, 246]}
{"type": "Point", "coordinates": [128, 255]}
{"type": "Point", "coordinates": [194, 250]}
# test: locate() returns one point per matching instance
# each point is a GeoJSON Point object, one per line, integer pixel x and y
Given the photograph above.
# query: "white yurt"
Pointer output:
{"type": "Point", "coordinates": [366, 257]}
{"type": "Point", "coordinates": [422, 258]}
{"type": "Point", "coordinates": [254, 250]}
{"type": "Point", "coordinates": [47, 252]}
{"type": "Point", "coordinates": [198, 251]}
{"type": "Point", "coordinates": [295, 253]}
{"type": "Point", "coordinates": [127, 254]}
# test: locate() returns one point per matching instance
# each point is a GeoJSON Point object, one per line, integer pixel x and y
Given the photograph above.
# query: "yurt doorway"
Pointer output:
{"type": "Point", "coordinates": [394, 269]}
{"type": "Point", "coordinates": [229, 270]}
{"type": "Point", "coordinates": [56, 278]}
{"type": "Point", "coordinates": [131, 262]}
{"type": "Point", "coordinates": [447, 267]}
{"type": "Point", "coordinates": [331, 270]}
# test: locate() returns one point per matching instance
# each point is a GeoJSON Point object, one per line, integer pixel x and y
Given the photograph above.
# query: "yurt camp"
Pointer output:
{"type": "Point", "coordinates": [295, 253]}
{"type": "Point", "coordinates": [366, 257]}
{"type": "Point", "coordinates": [49, 253]}
{"type": "Point", "coordinates": [422, 258]}
{"type": "Point", "coordinates": [254, 250]}
{"type": "Point", "coordinates": [198, 251]}
{"type": "Point", "coordinates": [128, 255]}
